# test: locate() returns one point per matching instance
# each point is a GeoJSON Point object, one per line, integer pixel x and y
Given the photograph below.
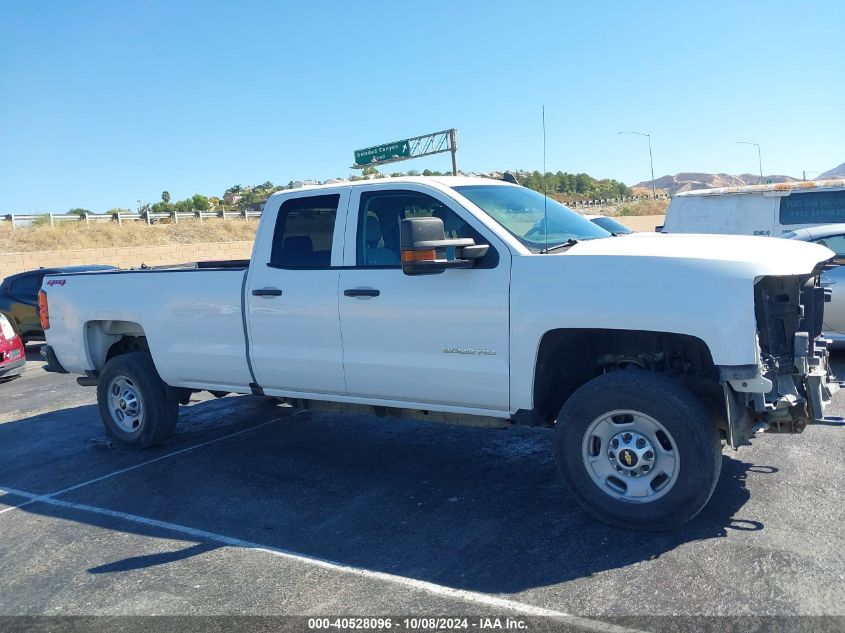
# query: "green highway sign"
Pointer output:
{"type": "Point", "coordinates": [379, 153]}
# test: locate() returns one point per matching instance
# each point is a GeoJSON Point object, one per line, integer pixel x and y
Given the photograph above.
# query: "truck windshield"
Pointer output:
{"type": "Point", "coordinates": [521, 211]}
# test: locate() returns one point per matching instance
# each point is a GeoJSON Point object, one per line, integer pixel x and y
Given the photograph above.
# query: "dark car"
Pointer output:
{"type": "Point", "coordinates": [19, 298]}
{"type": "Point", "coordinates": [609, 224]}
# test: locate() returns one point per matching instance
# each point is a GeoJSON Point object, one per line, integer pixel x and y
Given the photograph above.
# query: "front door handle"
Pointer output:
{"type": "Point", "coordinates": [361, 292]}
{"type": "Point", "coordinates": [266, 292]}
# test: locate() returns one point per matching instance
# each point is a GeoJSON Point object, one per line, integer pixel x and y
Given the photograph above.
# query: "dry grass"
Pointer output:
{"type": "Point", "coordinates": [643, 207]}
{"type": "Point", "coordinates": [110, 234]}
{"type": "Point", "coordinates": [641, 223]}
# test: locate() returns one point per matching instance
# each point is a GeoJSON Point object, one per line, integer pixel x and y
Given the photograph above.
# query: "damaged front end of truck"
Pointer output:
{"type": "Point", "coordinates": [792, 384]}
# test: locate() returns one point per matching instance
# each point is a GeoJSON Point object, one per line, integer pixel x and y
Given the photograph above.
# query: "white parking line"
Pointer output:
{"type": "Point", "coordinates": [130, 468]}
{"type": "Point", "coordinates": [421, 585]}
{"type": "Point", "coordinates": [432, 588]}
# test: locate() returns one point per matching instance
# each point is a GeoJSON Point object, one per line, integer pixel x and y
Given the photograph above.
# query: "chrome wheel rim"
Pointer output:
{"type": "Point", "coordinates": [125, 406]}
{"type": "Point", "coordinates": [630, 456]}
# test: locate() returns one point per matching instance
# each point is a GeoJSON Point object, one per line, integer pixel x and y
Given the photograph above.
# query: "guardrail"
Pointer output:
{"type": "Point", "coordinates": [598, 202]}
{"type": "Point", "coordinates": [26, 219]}
{"type": "Point", "coordinates": [175, 216]}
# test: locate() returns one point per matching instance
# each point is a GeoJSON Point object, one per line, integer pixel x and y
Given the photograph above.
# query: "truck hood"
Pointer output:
{"type": "Point", "coordinates": [766, 255]}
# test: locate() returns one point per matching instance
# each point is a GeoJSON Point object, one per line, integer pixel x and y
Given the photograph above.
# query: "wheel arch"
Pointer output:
{"type": "Point", "coordinates": [569, 357]}
{"type": "Point", "coordinates": [108, 338]}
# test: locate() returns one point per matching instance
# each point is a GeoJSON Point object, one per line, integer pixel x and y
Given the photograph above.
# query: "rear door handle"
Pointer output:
{"type": "Point", "coordinates": [266, 292]}
{"type": "Point", "coordinates": [361, 292]}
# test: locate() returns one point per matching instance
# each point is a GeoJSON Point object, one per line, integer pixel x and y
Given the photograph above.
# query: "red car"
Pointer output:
{"type": "Point", "coordinates": [12, 352]}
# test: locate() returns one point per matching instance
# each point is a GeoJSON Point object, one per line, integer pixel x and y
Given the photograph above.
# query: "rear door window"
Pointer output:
{"type": "Point", "coordinates": [304, 231]}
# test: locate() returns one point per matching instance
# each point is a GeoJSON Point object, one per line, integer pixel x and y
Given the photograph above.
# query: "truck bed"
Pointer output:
{"type": "Point", "coordinates": [194, 321]}
{"type": "Point", "coordinates": [238, 264]}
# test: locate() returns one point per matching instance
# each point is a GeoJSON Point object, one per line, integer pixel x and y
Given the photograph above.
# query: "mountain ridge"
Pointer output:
{"type": "Point", "coordinates": [836, 172]}
{"type": "Point", "coordinates": [691, 181]}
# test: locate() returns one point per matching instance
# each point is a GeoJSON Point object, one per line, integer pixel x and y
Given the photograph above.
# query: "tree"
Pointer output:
{"type": "Point", "coordinates": [200, 202]}
{"type": "Point", "coordinates": [369, 171]}
{"type": "Point", "coordinates": [78, 211]}
{"type": "Point", "coordinates": [160, 207]}
{"type": "Point", "coordinates": [583, 183]}
{"type": "Point", "coordinates": [184, 206]}
{"type": "Point", "coordinates": [235, 189]}
{"type": "Point", "coordinates": [560, 182]}
{"type": "Point", "coordinates": [165, 197]}
{"type": "Point", "coordinates": [266, 185]}
{"type": "Point", "coordinates": [250, 197]}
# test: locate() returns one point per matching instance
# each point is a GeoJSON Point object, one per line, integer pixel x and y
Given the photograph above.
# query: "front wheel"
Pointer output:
{"type": "Point", "coordinates": [137, 408]}
{"type": "Point", "coordinates": [638, 450]}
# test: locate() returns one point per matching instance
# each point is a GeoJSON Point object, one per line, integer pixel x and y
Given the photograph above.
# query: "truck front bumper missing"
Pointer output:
{"type": "Point", "coordinates": [818, 383]}
{"type": "Point", "coordinates": [779, 402]}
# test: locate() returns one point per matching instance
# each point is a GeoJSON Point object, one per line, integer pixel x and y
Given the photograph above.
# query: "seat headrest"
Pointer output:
{"type": "Point", "coordinates": [297, 245]}
{"type": "Point", "coordinates": [373, 231]}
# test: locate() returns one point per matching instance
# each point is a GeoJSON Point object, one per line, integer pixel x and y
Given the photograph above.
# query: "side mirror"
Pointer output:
{"type": "Point", "coordinates": [423, 243]}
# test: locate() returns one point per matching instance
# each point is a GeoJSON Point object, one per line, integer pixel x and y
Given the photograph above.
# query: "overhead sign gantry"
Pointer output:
{"type": "Point", "coordinates": [415, 147]}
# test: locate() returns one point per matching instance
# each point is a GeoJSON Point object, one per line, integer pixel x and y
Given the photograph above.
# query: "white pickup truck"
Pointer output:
{"type": "Point", "coordinates": [474, 297]}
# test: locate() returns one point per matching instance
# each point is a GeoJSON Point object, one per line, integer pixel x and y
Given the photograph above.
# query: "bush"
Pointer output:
{"type": "Point", "coordinates": [643, 207]}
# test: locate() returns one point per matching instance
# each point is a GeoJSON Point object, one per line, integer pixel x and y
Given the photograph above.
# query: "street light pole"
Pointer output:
{"type": "Point", "coordinates": [650, 160]}
{"type": "Point", "coordinates": [759, 156]}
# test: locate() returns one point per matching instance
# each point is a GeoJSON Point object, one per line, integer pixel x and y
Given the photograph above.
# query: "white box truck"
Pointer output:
{"type": "Point", "coordinates": [764, 210]}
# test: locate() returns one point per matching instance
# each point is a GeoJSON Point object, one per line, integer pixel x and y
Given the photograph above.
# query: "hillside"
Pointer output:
{"type": "Point", "coordinates": [690, 181]}
{"type": "Point", "coordinates": [836, 172]}
{"type": "Point", "coordinates": [78, 235]}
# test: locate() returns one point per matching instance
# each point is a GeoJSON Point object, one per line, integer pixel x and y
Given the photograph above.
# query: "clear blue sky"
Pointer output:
{"type": "Point", "coordinates": [105, 103]}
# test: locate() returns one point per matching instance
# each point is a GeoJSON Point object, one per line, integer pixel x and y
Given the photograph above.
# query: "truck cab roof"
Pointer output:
{"type": "Point", "coordinates": [446, 181]}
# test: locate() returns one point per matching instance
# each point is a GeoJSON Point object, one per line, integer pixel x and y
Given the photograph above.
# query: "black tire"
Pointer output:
{"type": "Point", "coordinates": [676, 408]}
{"type": "Point", "coordinates": [158, 401]}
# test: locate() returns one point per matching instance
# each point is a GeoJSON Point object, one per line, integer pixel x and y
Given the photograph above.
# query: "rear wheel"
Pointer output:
{"type": "Point", "coordinates": [137, 408]}
{"type": "Point", "coordinates": [638, 450]}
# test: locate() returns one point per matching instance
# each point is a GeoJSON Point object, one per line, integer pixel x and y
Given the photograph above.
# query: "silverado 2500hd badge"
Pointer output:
{"type": "Point", "coordinates": [466, 350]}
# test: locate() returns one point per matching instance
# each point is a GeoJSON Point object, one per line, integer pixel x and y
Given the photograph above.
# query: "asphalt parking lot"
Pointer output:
{"type": "Point", "coordinates": [256, 508]}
